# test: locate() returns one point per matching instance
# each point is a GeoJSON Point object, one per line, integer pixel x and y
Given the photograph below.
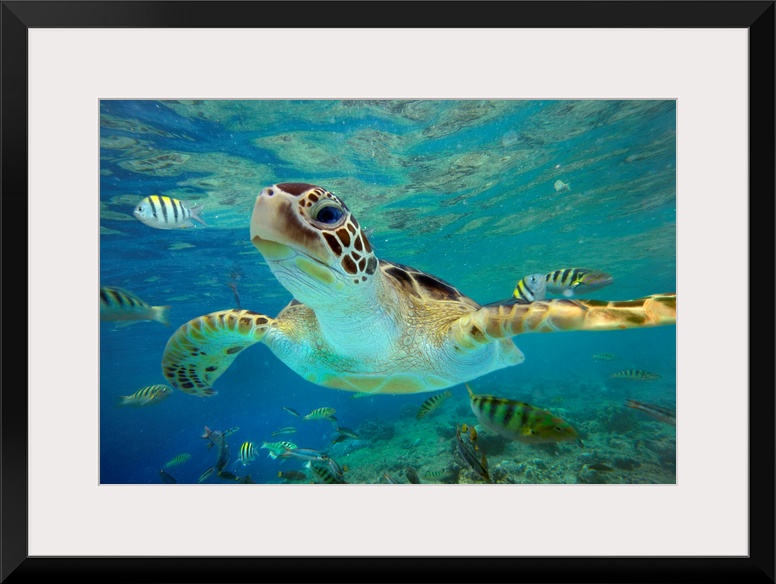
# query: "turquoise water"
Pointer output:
{"type": "Point", "coordinates": [464, 190]}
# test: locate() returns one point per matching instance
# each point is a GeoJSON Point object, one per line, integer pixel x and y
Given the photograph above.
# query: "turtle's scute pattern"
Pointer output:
{"type": "Point", "coordinates": [422, 285]}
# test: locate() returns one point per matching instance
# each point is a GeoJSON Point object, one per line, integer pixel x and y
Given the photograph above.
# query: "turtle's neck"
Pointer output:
{"type": "Point", "coordinates": [360, 322]}
{"type": "Point", "coordinates": [357, 320]}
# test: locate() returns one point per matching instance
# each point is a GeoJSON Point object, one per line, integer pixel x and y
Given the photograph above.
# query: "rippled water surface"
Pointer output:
{"type": "Point", "coordinates": [465, 190]}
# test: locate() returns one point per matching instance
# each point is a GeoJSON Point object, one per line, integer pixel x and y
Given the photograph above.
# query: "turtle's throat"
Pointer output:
{"type": "Point", "coordinates": [358, 324]}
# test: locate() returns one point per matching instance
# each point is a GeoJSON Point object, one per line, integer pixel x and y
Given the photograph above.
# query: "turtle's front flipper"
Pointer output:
{"type": "Point", "coordinates": [498, 321]}
{"type": "Point", "coordinates": [203, 348]}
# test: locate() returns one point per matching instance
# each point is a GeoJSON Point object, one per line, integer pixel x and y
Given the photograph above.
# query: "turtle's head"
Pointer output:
{"type": "Point", "coordinates": [311, 241]}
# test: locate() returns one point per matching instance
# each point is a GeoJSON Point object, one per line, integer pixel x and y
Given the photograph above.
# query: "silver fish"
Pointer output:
{"type": "Point", "coordinates": [304, 454]}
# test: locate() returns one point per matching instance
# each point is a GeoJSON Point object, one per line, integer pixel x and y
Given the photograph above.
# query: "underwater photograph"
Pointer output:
{"type": "Point", "coordinates": [360, 292]}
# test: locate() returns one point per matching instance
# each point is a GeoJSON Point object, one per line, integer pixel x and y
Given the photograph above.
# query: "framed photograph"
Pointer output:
{"type": "Point", "coordinates": [391, 212]}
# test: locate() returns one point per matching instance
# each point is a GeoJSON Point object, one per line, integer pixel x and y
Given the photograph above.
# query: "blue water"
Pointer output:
{"type": "Point", "coordinates": [461, 189]}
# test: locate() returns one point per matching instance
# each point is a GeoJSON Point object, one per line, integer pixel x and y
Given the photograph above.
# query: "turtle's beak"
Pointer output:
{"type": "Point", "coordinates": [279, 232]}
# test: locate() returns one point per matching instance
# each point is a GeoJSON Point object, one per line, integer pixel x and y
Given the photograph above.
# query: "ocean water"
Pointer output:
{"type": "Point", "coordinates": [464, 190]}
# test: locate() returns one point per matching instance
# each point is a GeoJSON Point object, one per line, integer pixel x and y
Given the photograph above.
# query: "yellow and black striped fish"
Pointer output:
{"type": "Point", "coordinates": [321, 414]}
{"type": "Point", "coordinates": [247, 453]}
{"type": "Point", "coordinates": [635, 374]}
{"type": "Point", "coordinates": [520, 421]}
{"type": "Point", "coordinates": [323, 474]}
{"type": "Point", "coordinates": [163, 212]}
{"type": "Point", "coordinates": [433, 475]}
{"type": "Point", "coordinates": [277, 448]}
{"type": "Point", "coordinates": [530, 288]}
{"type": "Point", "coordinates": [117, 304]}
{"type": "Point", "coordinates": [180, 459]}
{"type": "Point", "coordinates": [571, 281]}
{"type": "Point", "coordinates": [292, 475]}
{"type": "Point", "coordinates": [432, 404]}
{"type": "Point", "coordinates": [151, 394]}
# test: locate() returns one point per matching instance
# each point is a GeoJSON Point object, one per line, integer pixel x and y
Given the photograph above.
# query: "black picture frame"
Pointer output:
{"type": "Point", "coordinates": [757, 17]}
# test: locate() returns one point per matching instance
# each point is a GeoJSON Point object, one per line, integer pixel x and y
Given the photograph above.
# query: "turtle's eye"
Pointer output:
{"type": "Point", "coordinates": [328, 214]}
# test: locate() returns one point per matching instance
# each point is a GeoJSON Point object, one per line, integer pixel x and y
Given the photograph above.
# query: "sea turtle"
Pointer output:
{"type": "Point", "coordinates": [372, 326]}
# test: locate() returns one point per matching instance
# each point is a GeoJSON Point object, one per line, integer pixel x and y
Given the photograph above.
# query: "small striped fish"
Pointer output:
{"type": "Point", "coordinates": [323, 474]}
{"type": "Point", "coordinates": [432, 404]}
{"type": "Point", "coordinates": [520, 421]}
{"type": "Point", "coordinates": [336, 468]}
{"type": "Point", "coordinates": [604, 357]}
{"type": "Point", "coordinates": [433, 475]}
{"type": "Point", "coordinates": [361, 394]}
{"type": "Point", "coordinates": [571, 281]}
{"type": "Point", "coordinates": [277, 448]}
{"type": "Point", "coordinates": [151, 394]}
{"type": "Point", "coordinates": [471, 455]}
{"type": "Point", "coordinates": [180, 459]}
{"type": "Point", "coordinates": [635, 374]}
{"type": "Point", "coordinates": [347, 432]}
{"type": "Point", "coordinates": [286, 430]}
{"type": "Point", "coordinates": [117, 304]}
{"type": "Point", "coordinates": [247, 453]}
{"type": "Point", "coordinates": [292, 475]}
{"type": "Point", "coordinates": [530, 288]}
{"type": "Point", "coordinates": [665, 415]}
{"type": "Point", "coordinates": [205, 475]}
{"type": "Point", "coordinates": [163, 212]}
{"type": "Point", "coordinates": [321, 414]}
